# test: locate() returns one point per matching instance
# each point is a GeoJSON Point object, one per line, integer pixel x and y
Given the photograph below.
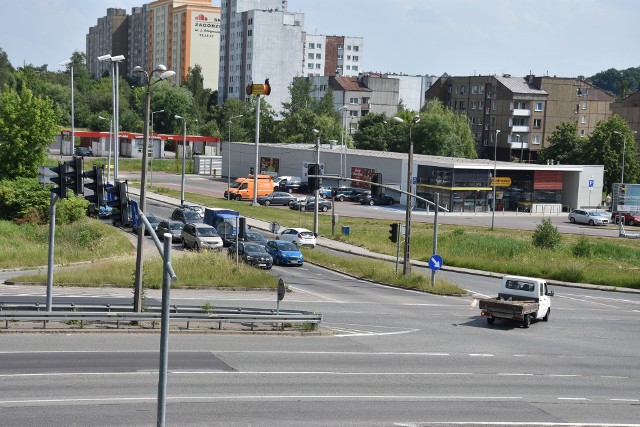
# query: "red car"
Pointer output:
{"type": "Point", "coordinates": [630, 218]}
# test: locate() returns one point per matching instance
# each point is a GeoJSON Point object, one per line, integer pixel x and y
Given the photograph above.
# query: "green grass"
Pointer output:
{"type": "Point", "coordinates": [26, 245]}
{"type": "Point", "coordinates": [381, 272]}
{"type": "Point", "coordinates": [613, 261]}
{"type": "Point", "coordinates": [194, 270]}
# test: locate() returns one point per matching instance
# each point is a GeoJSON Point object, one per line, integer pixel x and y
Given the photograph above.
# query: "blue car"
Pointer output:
{"type": "Point", "coordinates": [284, 253]}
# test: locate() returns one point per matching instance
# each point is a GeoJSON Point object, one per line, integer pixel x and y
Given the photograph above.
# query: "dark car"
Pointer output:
{"type": "Point", "coordinates": [84, 151]}
{"type": "Point", "coordinates": [277, 198]}
{"type": "Point", "coordinates": [153, 220]}
{"type": "Point", "coordinates": [253, 254]}
{"type": "Point", "coordinates": [250, 236]}
{"type": "Point", "coordinates": [381, 199]}
{"type": "Point", "coordinates": [284, 253]}
{"type": "Point", "coordinates": [346, 193]}
{"type": "Point", "coordinates": [172, 227]}
{"type": "Point", "coordinates": [293, 183]}
{"type": "Point", "coordinates": [363, 195]}
{"type": "Point", "coordinates": [308, 204]}
{"type": "Point", "coordinates": [186, 216]}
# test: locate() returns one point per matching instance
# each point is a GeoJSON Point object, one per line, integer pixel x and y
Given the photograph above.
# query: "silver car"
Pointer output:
{"type": "Point", "coordinates": [581, 216]}
{"type": "Point", "coordinates": [200, 236]}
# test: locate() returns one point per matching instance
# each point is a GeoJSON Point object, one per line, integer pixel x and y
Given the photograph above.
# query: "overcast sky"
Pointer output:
{"type": "Point", "coordinates": [461, 37]}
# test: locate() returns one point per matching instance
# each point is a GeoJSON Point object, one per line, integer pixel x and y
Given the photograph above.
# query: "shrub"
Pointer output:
{"type": "Point", "coordinates": [583, 248]}
{"type": "Point", "coordinates": [546, 235]}
{"type": "Point", "coordinates": [71, 209]}
{"type": "Point", "coordinates": [23, 197]}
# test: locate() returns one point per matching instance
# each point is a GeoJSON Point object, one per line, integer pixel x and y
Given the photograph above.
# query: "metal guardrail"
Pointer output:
{"type": "Point", "coordinates": [185, 314]}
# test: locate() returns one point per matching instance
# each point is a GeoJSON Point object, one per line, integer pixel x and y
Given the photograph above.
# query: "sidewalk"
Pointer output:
{"type": "Point", "coordinates": [360, 251]}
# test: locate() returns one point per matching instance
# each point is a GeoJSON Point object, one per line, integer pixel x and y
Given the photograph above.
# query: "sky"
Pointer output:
{"type": "Point", "coordinates": [565, 38]}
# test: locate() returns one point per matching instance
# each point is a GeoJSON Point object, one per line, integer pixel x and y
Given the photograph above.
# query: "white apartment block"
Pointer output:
{"type": "Point", "coordinates": [332, 55]}
{"type": "Point", "coordinates": [412, 89]}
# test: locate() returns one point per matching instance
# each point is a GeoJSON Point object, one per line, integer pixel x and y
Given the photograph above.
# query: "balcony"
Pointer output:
{"type": "Point", "coordinates": [515, 145]}
{"type": "Point", "coordinates": [520, 112]}
{"type": "Point", "coordinates": [520, 129]}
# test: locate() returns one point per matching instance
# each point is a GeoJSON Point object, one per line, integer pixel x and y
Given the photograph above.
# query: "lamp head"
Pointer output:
{"type": "Point", "coordinates": [104, 57]}
{"type": "Point", "coordinates": [161, 67]}
{"type": "Point", "coordinates": [397, 119]}
{"type": "Point", "coordinates": [138, 69]}
{"type": "Point", "coordinates": [167, 74]}
{"type": "Point", "coordinates": [67, 62]}
{"type": "Point", "coordinates": [178, 117]}
{"type": "Point", "coordinates": [497, 130]}
{"type": "Point", "coordinates": [415, 119]}
{"type": "Point", "coordinates": [315, 131]}
{"type": "Point", "coordinates": [117, 58]}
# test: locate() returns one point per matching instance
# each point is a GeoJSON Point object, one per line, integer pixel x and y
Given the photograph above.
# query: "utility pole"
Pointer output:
{"type": "Point", "coordinates": [316, 192]}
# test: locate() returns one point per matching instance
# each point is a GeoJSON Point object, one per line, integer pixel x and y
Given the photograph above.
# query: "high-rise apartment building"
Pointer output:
{"type": "Point", "coordinates": [332, 55]}
{"type": "Point", "coordinates": [520, 113]}
{"type": "Point", "coordinates": [109, 36]}
{"type": "Point", "coordinates": [183, 34]}
{"type": "Point", "coordinates": [629, 109]}
{"type": "Point", "coordinates": [259, 40]}
{"type": "Point", "coordinates": [138, 36]}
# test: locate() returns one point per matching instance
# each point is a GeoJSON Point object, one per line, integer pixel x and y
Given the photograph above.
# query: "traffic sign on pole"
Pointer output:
{"type": "Point", "coordinates": [435, 262]}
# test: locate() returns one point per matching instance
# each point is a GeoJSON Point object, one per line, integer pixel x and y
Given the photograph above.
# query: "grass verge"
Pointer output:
{"type": "Point", "coordinates": [194, 270]}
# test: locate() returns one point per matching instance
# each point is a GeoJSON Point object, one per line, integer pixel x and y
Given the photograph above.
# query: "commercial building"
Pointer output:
{"type": "Point", "coordinates": [525, 110]}
{"type": "Point", "coordinates": [464, 185]}
{"type": "Point", "coordinates": [110, 35]}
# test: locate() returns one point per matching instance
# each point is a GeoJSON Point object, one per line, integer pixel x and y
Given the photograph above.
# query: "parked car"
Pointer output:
{"type": "Point", "coordinates": [153, 220]}
{"type": "Point", "coordinates": [277, 198]}
{"type": "Point", "coordinates": [308, 204]}
{"type": "Point", "coordinates": [382, 199]}
{"type": "Point", "coordinates": [172, 227]}
{"type": "Point", "coordinates": [284, 253]}
{"type": "Point", "coordinates": [363, 195]}
{"type": "Point", "coordinates": [630, 218]}
{"type": "Point", "coordinates": [589, 217]}
{"type": "Point", "coordinates": [229, 239]}
{"type": "Point", "coordinates": [186, 216]}
{"type": "Point", "coordinates": [194, 207]}
{"type": "Point", "coordinates": [253, 254]}
{"type": "Point", "coordinates": [292, 183]}
{"type": "Point", "coordinates": [84, 151]}
{"type": "Point", "coordinates": [347, 193]}
{"type": "Point", "coordinates": [324, 193]}
{"type": "Point", "coordinates": [200, 236]}
{"type": "Point", "coordinates": [298, 236]}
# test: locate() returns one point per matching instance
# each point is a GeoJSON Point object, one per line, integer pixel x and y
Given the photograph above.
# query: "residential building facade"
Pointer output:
{"type": "Point", "coordinates": [332, 55]}
{"type": "Point", "coordinates": [109, 36]}
{"type": "Point", "coordinates": [138, 35]}
{"type": "Point", "coordinates": [412, 89]}
{"type": "Point", "coordinates": [629, 109]}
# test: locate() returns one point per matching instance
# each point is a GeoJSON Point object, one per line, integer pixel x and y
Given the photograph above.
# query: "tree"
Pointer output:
{"type": "Point", "coordinates": [606, 147]}
{"type": "Point", "coordinates": [6, 70]}
{"type": "Point", "coordinates": [300, 91]}
{"type": "Point", "coordinates": [28, 125]}
{"type": "Point", "coordinates": [201, 95]}
{"type": "Point", "coordinates": [564, 145]}
{"type": "Point", "coordinates": [376, 133]}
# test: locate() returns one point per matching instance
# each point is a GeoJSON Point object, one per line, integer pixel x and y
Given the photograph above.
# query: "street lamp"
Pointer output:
{"type": "Point", "coordinates": [73, 128]}
{"type": "Point", "coordinates": [517, 135]}
{"type": "Point", "coordinates": [229, 157]}
{"type": "Point", "coordinates": [343, 110]}
{"type": "Point", "coordinates": [407, 234]}
{"type": "Point", "coordinates": [495, 176]}
{"type": "Point", "coordinates": [624, 148]}
{"type": "Point", "coordinates": [521, 148]}
{"type": "Point", "coordinates": [110, 143]}
{"type": "Point", "coordinates": [184, 143]}
{"type": "Point", "coordinates": [115, 89]}
{"type": "Point", "coordinates": [164, 74]}
{"type": "Point", "coordinates": [152, 145]}
{"type": "Point", "coordinates": [316, 192]}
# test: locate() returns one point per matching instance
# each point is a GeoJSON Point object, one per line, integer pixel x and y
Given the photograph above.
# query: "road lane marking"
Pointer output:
{"type": "Point", "coordinates": [481, 355]}
{"type": "Point", "coordinates": [514, 374]}
{"type": "Point", "coordinates": [573, 398]}
{"type": "Point", "coordinates": [625, 400]}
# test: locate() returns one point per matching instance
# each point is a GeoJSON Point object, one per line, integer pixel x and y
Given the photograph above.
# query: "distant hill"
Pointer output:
{"type": "Point", "coordinates": [621, 83]}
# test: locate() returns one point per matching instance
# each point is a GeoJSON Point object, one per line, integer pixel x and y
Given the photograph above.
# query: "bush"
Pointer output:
{"type": "Point", "coordinates": [24, 198]}
{"type": "Point", "coordinates": [583, 248]}
{"type": "Point", "coordinates": [71, 209]}
{"type": "Point", "coordinates": [546, 235]}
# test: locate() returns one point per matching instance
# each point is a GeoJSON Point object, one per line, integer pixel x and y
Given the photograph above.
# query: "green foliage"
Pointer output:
{"type": "Point", "coordinates": [442, 132]}
{"type": "Point", "coordinates": [583, 248]}
{"type": "Point", "coordinates": [24, 197]}
{"type": "Point", "coordinates": [28, 125]}
{"type": "Point", "coordinates": [376, 133]}
{"type": "Point", "coordinates": [71, 209]}
{"type": "Point", "coordinates": [620, 82]}
{"type": "Point", "coordinates": [546, 235]}
{"type": "Point", "coordinates": [564, 145]}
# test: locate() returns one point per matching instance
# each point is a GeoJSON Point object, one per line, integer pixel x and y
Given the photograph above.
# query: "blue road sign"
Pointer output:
{"type": "Point", "coordinates": [435, 262]}
{"type": "Point", "coordinates": [414, 180]}
{"type": "Point", "coordinates": [591, 184]}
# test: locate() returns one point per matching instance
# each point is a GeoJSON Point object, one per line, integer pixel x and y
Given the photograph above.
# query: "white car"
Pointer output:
{"type": "Point", "coordinates": [194, 207]}
{"type": "Point", "coordinates": [589, 217]}
{"type": "Point", "coordinates": [298, 236]}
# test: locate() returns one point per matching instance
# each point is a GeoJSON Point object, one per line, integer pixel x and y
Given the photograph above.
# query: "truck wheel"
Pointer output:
{"type": "Point", "coordinates": [527, 321]}
{"type": "Point", "coordinates": [238, 197]}
{"type": "Point", "coordinates": [491, 320]}
{"type": "Point", "coordinates": [546, 316]}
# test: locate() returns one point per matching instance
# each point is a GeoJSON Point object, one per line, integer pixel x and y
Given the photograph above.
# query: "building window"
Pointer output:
{"type": "Point", "coordinates": [581, 132]}
{"type": "Point", "coordinates": [312, 46]}
{"type": "Point", "coordinates": [493, 121]}
{"type": "Point", "coordinates": [340, 57]}
{"type": "Point", "coordinates": [538, 106]}
{"type": "Point", "coordinates": [319, 46]}
{"type": "Point", "coordinates": [348, 47]}
{"type": "Point", "coordinates": [535, 139]}
{"type": "Point", "coordinates": [353, 113]}
{"type": "Point", "coordinates": [354, 101]}
{"type": "Point", "coordinates": [474, 105]}
{"type": "Point", "coordinates": [537, 123]}
{"type": "Point", "coordinates": [340, 46]}
{"type": "Point", "coordinates": [462, 90]}
{"type": "Point", "coordinates": [310, 65]}
{"type": "Point", "coordinates": [356, 48]}
{"type": "Point", "coordinates": [583, 120]}
{"type": "Point", "coordinates": [474, 89]}
{"type": "Point", "coordinates": [348, 57]}
{"type": "Point", "coordinates": [310, 56]}
{"type": "Point", "coordinates": [584, 105]}
{"type": "Point", "coordinates": [348, 67]}
{"type": "Point", "coordinates": [355, 58]}
{"type": "Point", "coordinates": [481, 89]}
{"type": "Point", "coordinates": [318, 56]}
{"type": "Point", "coordinates": [318, 66]}
{"type": "Point", "coordinates": [250, 33]}
{"type": "Point", "coordinates": [462, 105]}
{"type": "Point", "coordinates": [354, 68]}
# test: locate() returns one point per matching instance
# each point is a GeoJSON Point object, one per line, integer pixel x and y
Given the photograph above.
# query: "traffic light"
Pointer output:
{"type": "Point", "coordinates": [69, 176]}
{"type": "Point", "coordinates": [75, 175]}
{"type": "Point", "coordinates": [313, 183]}
{"type": "Point", "coordinates": [119, 203]}
{"type": "Point", "coordinates": [393, 232]}
{"type": "Point", "coordinates": [97, 186]}
{"type": "Point", "coordinates": [61, 189]}
{"type": "Point", "coordinates": [242, 228]}
{"type": "Point", "coordinates": [376, 189]}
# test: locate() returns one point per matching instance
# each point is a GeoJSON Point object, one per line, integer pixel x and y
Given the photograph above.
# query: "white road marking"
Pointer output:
{"type": "Point", "coordinates": [625, 400]}
{"type": "Point", "coordinates": [573, 398]}
{"type": "Point", "coordinates": [515, 374]}
{"type": "Point", "coordinates": [480, 355]}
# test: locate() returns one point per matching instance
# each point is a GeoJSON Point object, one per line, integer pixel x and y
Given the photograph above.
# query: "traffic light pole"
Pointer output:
{"type": "Point", "coordinates": [398, 250]}
{"type": "Point", "coordinates": [435, 237]}
{"type": "Point", "coordinates": [316, 192]}
{"type": "Point", "coordinates": [52, 233]}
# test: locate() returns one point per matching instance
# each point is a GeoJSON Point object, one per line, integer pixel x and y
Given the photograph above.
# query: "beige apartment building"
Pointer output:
{"type": "Point", "coordinates": [512, 117]}
{"type": "Point", "coordinates": [629, 109]}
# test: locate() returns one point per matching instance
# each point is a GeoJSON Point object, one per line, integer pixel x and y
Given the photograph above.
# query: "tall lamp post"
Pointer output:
{"type": "Point", "coordinates": [624, 148]}
{"type": "Point", "coordinates": [184, 143]}
{"type": "Point", "coordinates": [164, 74]}
{"type": "Point", "coordinates": [110, 144]}
{"type": "Point", "coordinates": [115, 88]}
{"type": "Point", "coordinates": [152, 146]}
{"type": "Point", "coordinates": [73, 127]}
{"type": "Point", "coordinates": [316, 192]}
{"type": "Point", "coordinates": [342, 110]}
{"type": "Point", "coordinates": [406, 268]}
{"type": "Point", "coordinates": [495, 177]}
{"type": "Point", "coordinates": [229, 157]}
{"type": "Point", "coordinates": [521, 149]}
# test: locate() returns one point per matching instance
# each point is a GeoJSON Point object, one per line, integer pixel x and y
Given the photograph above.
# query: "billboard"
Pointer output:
{"type": "Point", "coordinates": [270, 166]}
{"type": "Point", "coordinates": [626, 198]}
{"type": "Point", "coordinates": [364, 174]}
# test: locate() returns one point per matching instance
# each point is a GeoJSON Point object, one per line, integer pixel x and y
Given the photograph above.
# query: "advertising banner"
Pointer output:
{"type": "Point", "coordinates": [365, 174]}
{"type": "Point", "coordinates": [270, 166]}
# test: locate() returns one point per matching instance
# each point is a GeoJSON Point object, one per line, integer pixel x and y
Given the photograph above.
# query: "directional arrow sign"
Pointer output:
{"type": "Point", "coordinates": [435, 262]}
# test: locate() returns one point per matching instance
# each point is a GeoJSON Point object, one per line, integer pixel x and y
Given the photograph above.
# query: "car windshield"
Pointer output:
{"type": "Point", "coordinates": [189, 214]}
{"type": "Point", "coordinates": [597, 214]}
{"type": "Point", "coordinates": [286, 246]}
{"type": "Point", "coordinates": [306, 234]}
{"type": "Point", "coordinates": [176, 226]}
{"type": "Point", "coordinates": [254, 247]}
{"type": "Point", "coordinates": [207, 232]}
{"type": "Point", "coordinates": [151, 218]}
{"type": "Point", "coordinates": [235, 185]}
{"type": "Point", "coordinates": [255, 237]}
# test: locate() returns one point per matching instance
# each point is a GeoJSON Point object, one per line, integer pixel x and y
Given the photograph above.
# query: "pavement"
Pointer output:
{"type": "Point", "coordinates": [364, 252]}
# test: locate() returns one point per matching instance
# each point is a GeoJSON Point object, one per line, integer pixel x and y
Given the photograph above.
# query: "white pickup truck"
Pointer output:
{"type": "Point", "coordinates": [520, 298]}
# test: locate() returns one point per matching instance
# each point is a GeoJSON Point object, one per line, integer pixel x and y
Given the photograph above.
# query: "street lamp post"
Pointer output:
{"type": "Point", "coordinates": [495, 177]}
{"type": "Point", "coordinates": [152, 146]}
{"type": "Point", "coordinates": [343, 110]}
{"type": "Point", "coordinates": [110, 143]}
{"type": "Point", "coordinates": [184, 143]}
{"type": "Point", "coordinates": [521, 149]}
{"type": "Point", "coordinates": [115, 88]}
{"type": "Point", "coordinates": [164, 74]}
{"type": "Point", "coordinates": [624, 148]}
{"type": "Point", "coordinates": [406, 268]}
{"type": "Point", "coordinates": [73, 127]}
{"type": "Point", "coordinates": [316, 192]}
{"type": "Point", "coordinates": [229, 157]}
